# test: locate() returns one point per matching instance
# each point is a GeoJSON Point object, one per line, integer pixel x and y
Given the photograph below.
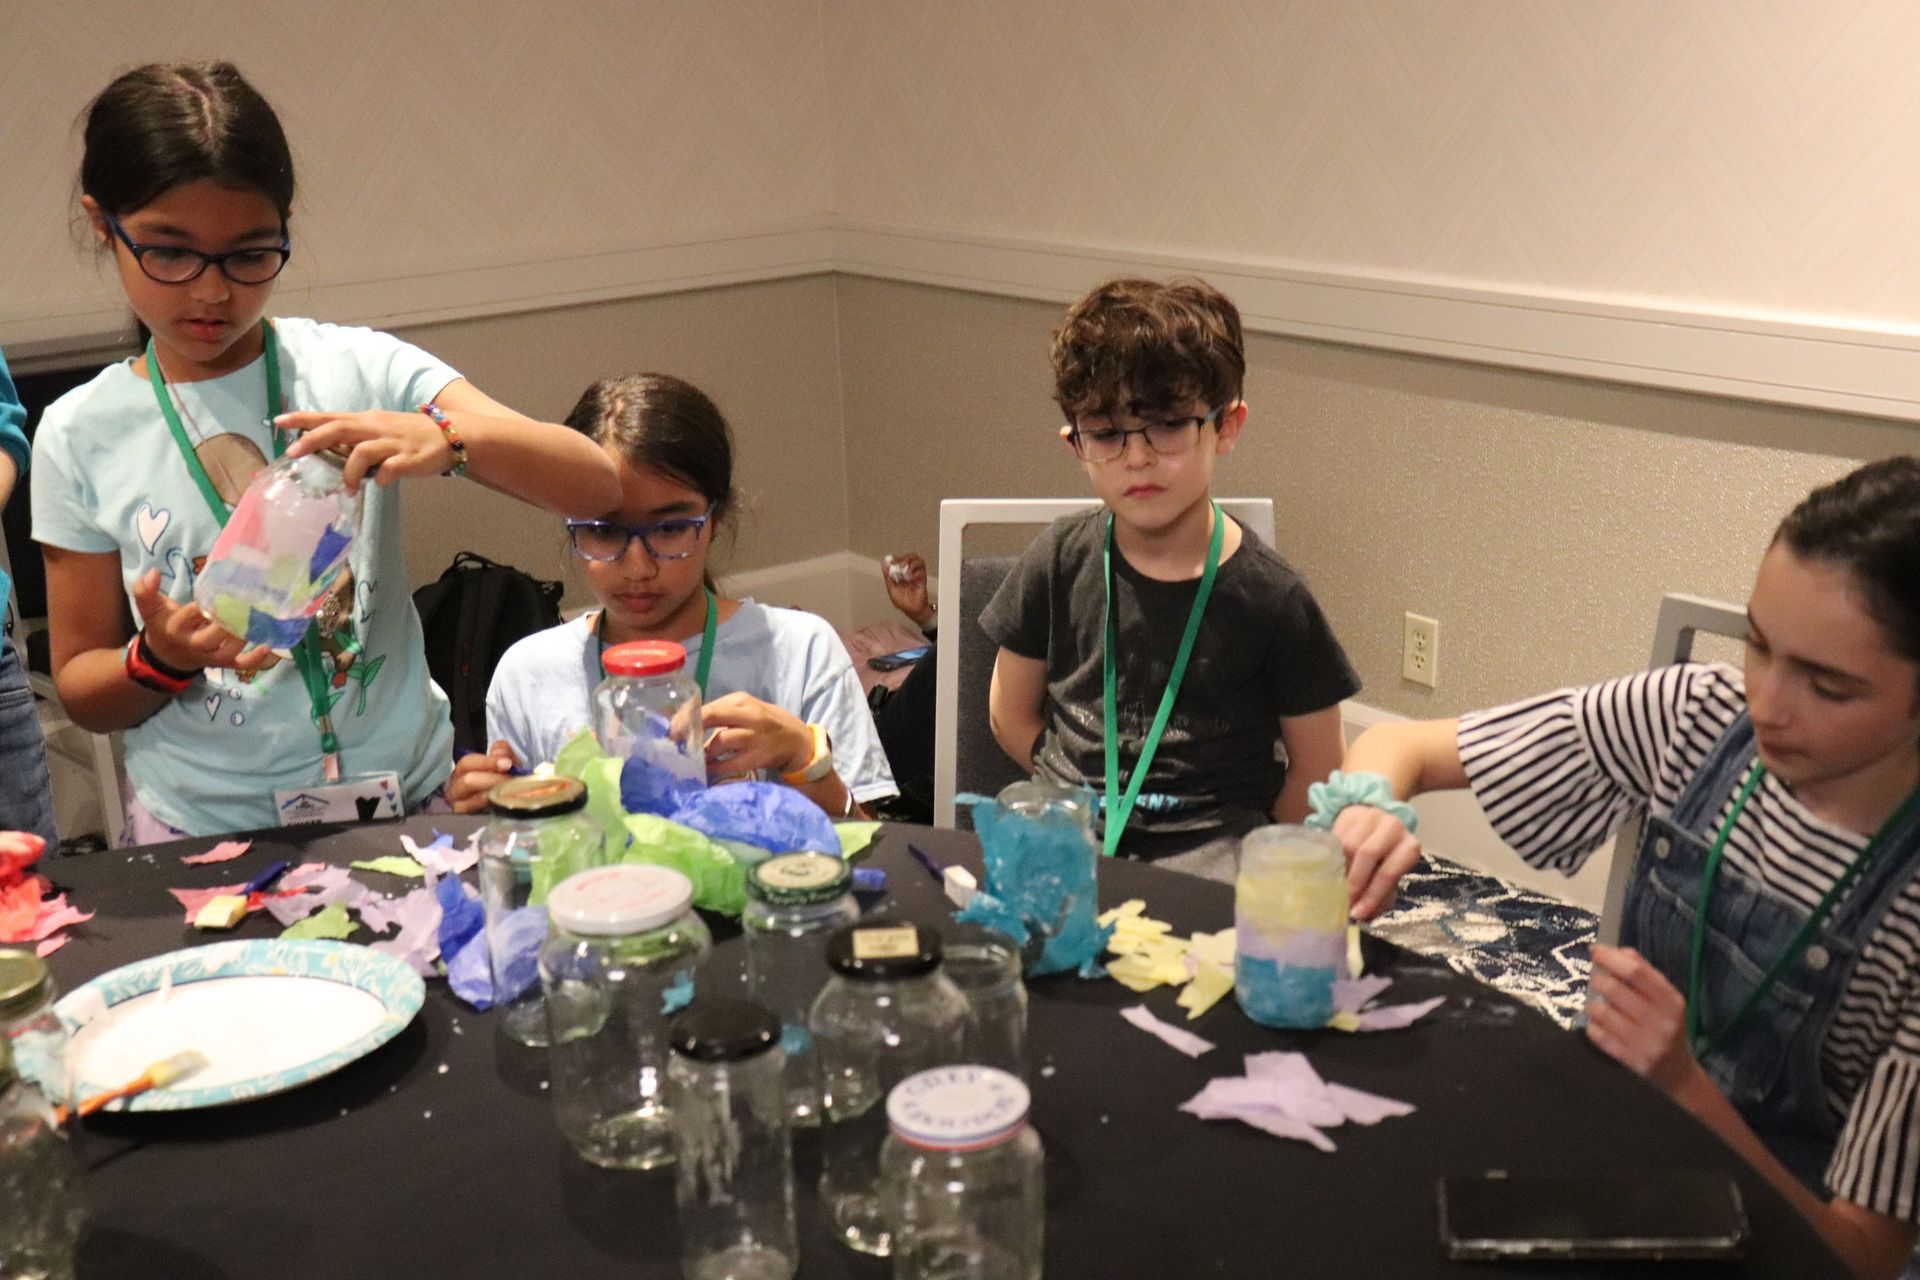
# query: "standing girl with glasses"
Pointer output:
{"type": "Point", "coordinates": [187, 180]}
{"type": "Point", "coordinates": [780, 696]}
{"type": "Point", "coordinates": [1768, 979]}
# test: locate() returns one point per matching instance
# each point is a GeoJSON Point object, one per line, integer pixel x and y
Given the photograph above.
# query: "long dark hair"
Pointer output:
{"type": "Point", "coordinates": [1868, 523]}
{"type": "Point", "coordinates": [165, 124]}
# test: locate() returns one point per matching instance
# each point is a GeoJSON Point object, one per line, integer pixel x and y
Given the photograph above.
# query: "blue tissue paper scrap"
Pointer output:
{"type": "Point", "coordinates": [646, 787]}
{"type": "Point", "coordinates": [1040, 886]}
{"type": "Point", "coordinates": [679, 995]}
{"type": "Point", "coordinates": [515, 944]}
{"type": "Point", "coordinates": [764, 814]}
{"type": "Point", "coordinates": [463, 943]}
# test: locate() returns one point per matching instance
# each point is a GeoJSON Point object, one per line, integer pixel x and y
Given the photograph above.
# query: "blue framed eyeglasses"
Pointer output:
{"type": "Point", "coordinates": [177, 264]}
{"type": "Point", "coordinates": [605, 540]}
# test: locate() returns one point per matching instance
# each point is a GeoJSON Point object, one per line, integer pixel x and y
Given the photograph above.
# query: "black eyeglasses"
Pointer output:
{"type": "Point", "coordinates": [1169, 437]}
{"type": "Point", "coordinates": [177, 264]}
{"type": "Point", "coordinates": [604, 540]}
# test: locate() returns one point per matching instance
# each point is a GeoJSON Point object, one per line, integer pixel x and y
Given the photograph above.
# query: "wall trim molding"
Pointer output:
{"type": "Point", "coordinates": [1815, 362]}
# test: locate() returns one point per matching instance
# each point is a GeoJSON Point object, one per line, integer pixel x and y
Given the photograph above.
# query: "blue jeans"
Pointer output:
{"type": "Point", "coordinates": [26, 795]}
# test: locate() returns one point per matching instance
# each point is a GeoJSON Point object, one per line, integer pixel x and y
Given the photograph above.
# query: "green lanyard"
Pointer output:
{"type": "Point", "coordinates": [307, 654]}
{"type": "Point", "coordinates": [700, 670]}
{"type": "Point", "coordinates": [1704, 1042]}
{"type": "Point", "coordinates": [1119, 808]}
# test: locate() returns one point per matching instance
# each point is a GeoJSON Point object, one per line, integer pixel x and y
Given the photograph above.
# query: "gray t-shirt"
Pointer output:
{"type": "Point", "coordinates": [1264, 651]}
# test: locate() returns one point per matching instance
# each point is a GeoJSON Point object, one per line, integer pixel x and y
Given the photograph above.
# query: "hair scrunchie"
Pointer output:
{"type": "Point", "coordinates": [1342, 790]}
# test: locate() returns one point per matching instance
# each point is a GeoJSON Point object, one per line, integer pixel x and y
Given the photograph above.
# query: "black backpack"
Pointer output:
{"type": "Point", "coordinates": [471, 615]}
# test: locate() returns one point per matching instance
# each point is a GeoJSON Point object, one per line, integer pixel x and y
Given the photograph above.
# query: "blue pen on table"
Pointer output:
{"type": "Point", "coordinates": [261, 882]}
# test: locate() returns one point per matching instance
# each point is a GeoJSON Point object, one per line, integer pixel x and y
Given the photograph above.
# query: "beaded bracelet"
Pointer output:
{"type": "Point", "coordinates": [147, 671]}
{"type": "Point", "coordinates": [1344, 790]}
{"type": "Point", "coordinates": [447, 429]}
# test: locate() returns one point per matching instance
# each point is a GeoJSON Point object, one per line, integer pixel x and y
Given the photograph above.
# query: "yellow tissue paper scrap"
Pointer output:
{"type": "Point", "coordinates": [1209, 983]}
{"type": "Point", "coordinates": [1151, 956]}
{"type": "Point", "coordinates": [854, 836]}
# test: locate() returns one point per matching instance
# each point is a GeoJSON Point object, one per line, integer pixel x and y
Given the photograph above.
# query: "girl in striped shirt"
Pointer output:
{"type": "Point", "coordinates": [1769, 977]}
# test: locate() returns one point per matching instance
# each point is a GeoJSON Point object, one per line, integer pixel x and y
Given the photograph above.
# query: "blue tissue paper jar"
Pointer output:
{"type": "Point", "coordinates": [1036, 840]}
{"type": "Point", "coordinates": [1290, 921]}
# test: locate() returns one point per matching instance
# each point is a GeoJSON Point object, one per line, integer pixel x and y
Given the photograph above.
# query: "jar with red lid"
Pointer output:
{"type": "Point", "coordinates": [648, 708]}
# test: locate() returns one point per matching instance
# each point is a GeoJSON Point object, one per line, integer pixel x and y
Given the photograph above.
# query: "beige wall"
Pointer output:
{"type": "Point", "coordinates": [1538, 518]}
{"type": "Point", "coordinates": [765, 353]}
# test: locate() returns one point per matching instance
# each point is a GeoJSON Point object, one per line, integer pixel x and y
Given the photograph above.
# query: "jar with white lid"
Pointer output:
{"type": "Point", "coordinates": [618, 962]}
{"type": "Point", "coordinates": [964, 1174]}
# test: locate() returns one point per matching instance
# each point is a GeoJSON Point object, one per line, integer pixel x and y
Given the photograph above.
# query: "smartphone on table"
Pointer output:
{"type": "Point", "coordinates": [1495, 1216]}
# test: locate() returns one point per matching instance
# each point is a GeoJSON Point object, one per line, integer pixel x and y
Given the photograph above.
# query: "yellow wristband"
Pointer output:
{"type": "Point", "coordinates": [818, 766]}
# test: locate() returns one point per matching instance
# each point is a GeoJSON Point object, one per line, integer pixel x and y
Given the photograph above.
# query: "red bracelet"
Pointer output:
{"type": "Point", "coordinates": [452, 433]}
{"type": "Point", "coordinates": [149, 672]}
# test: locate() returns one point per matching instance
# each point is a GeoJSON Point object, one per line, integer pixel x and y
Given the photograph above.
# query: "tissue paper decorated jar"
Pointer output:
{"type": "Point", "coordinates": [280, 552]}
{"type": "Point", "coordinates": [1290, 910]}
{"type": "Point", "coordinates": [1036, 842]}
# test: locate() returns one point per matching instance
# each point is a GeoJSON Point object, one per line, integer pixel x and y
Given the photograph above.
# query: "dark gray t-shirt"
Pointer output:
{"type": "Point", "coordinates": [1264, 651]}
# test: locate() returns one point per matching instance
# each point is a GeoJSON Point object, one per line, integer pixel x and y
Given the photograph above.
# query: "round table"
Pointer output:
{"type": "Point", "coordinates": [436, 1156]}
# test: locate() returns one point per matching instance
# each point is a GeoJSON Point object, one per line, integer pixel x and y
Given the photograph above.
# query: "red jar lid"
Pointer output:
{"type": "Point", "coordinates": [644, 658]}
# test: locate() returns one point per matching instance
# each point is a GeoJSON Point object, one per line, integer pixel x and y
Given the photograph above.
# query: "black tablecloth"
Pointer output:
{"type": "Point", "coordinates": [435, 1156]}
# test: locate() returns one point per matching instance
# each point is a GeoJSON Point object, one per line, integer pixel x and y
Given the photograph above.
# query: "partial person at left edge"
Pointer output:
{"type": "Point", "coordinates": [187, 181]}
{"type": "Point", "coordinates": [26, 796]}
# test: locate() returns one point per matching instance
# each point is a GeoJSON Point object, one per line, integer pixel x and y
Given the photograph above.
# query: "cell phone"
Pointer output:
{"type": "Point", "coordinates": [1680, 1214]}
{"type": "Point", "coordinates": [901, 658]}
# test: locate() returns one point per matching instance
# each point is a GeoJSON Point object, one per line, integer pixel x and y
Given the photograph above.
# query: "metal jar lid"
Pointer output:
{"type": "Point", "coordinates": [537, 797]}
{"type": "Point", "coordinates": [799, 879]}
{"type": "Point", "coordinates": [25, 984]}
{"type": "Point", "coordinates": [883, 951]}
{"type": "Point", "coordinates": [724, 1031]}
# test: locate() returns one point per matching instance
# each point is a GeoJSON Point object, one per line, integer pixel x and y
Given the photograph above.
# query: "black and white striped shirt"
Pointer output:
{"type": "Point", "coordinates": [1558, 773]}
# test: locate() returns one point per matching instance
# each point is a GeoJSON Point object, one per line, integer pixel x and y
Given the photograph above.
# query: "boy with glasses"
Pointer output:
{"type": "Point", "coordinates": [1150, 648]}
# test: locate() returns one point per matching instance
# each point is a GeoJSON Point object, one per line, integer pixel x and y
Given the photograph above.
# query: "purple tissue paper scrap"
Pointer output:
{"type": "Point", "coordinates": [418, 942]}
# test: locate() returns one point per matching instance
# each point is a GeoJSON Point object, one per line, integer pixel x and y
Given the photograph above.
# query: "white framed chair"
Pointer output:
{"type": "Point", "coordinates": [1681, 618]}
{"type": "Point", "coordinates": [964, 655]}
{"type": "Point", "coordinates": [95, 752]}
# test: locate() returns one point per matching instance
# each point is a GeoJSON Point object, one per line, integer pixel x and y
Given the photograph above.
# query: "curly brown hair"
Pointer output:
{"type": "Point", "coordinates": [1136, 345]}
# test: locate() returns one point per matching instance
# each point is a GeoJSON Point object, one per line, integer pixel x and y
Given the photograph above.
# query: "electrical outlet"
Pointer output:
{"type": "Point", "coordinates": [1420, 651]}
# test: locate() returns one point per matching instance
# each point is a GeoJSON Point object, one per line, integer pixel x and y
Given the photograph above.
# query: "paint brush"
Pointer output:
{"type": "Point", "coordinates": [165, 1072]}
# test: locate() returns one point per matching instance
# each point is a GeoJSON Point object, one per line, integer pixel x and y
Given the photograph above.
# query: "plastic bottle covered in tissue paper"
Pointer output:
{"type": "Point", "coordinates": [648, 708]}
{"type": "Point", "coordinates": [1290, 910]}
{"type": "Point", "coordinates": [281, 551]}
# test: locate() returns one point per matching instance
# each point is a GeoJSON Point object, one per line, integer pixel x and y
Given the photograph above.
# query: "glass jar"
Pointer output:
{"type": "Point", "coordinates": [648, 708]}
{"type": "Point", "coordinates": [1290, 908]}
{"type": "Point", "coordinates": [886, 1013]}
{"type": "Point", "coordinates": [985, 964]}
{"type": "Point", "coordinates": [733, 1178]}
{"type": "Point", "coordinates": [795, 902]}
{"type": "Point", "coordinates": [1037, 845]}
{"type": "Point", "coordinates": [965, 1177]}
{"type": "Point", "coordinates": [30, 1026]}
{"type": "Point", "coordinates": [618, 964]}
{"type": "Point", "coordinates": [540, 834]}
{"type": "Point", "coordinates": [41, 1209]}
{"type": "Point", "coordinates": [281, 551]}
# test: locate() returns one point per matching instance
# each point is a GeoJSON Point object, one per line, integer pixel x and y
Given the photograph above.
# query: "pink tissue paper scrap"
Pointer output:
{"type": "Point", "coordinates": [194, 899]}
{"type": "Point", "coordinates": [225, 851]}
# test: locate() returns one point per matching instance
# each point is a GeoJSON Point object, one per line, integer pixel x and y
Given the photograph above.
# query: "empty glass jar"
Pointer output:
{"type": "Point", "coordinates": [796, 902]}
{"type": "Point", "coordinates": [620, 960]}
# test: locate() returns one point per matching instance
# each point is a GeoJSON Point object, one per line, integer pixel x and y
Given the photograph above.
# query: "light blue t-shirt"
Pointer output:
{"type": "Point", "coordinates": [13, 441]}
{"type": "Point", "coordinates": [542, 689]}
{"type": "Point", "coordinates": [109, 478]}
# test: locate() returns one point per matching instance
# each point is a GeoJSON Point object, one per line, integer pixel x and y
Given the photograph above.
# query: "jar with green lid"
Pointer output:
{"type": "Point", "coordinates": [30, 1026]}
{"type": "Point", "coordinates": [41, 1210]}
{"type": "Point", "coordinates": [795, 902]}
{"type": "Point", "coordinates": [540, 834]}
{"type": "Point", "coordinates": [619, 961]}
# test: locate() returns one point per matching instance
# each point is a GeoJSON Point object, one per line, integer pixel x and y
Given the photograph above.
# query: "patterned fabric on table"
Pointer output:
{"type": "Point", "coordinates": [1526, 944]}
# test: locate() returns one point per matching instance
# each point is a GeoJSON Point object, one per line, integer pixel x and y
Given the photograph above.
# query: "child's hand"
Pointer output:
{"type": "Point", "coordinates": [1639, 1018]}
{"type": "Point", "coordinates": [1379, 851]}
{"type": "Point", "coordinates": [185, 638]}
{"type": "Point", "coordinates": [906, 579]}
{"type": "Point", "coordinates": [399, 444]}
{"type": "Point", "coordinates": [474, 775]}
{"type": "Point", "coordinates": [745, 734]}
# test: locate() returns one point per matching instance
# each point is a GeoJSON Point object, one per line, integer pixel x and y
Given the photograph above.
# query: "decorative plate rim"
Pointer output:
{"type": "Point", "coordinates": [398, 988]}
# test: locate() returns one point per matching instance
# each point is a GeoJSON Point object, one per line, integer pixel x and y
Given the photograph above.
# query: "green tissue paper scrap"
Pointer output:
{"type": "Point", "coordinates": [398, 864]}
{"type": "Point", "coordinates": [855, 836]}
{"type": "Point", "coordinates": [328, 922]}
{"type": "Point", "coordinates": [719, 879]}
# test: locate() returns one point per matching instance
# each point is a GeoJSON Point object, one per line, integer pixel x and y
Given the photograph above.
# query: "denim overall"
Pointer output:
{"type": "Point", "coordinates": [1769, 1066]}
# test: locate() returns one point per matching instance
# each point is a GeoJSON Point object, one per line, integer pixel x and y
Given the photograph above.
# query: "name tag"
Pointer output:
{"type": "Point", "coordinates": [366, 797]}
